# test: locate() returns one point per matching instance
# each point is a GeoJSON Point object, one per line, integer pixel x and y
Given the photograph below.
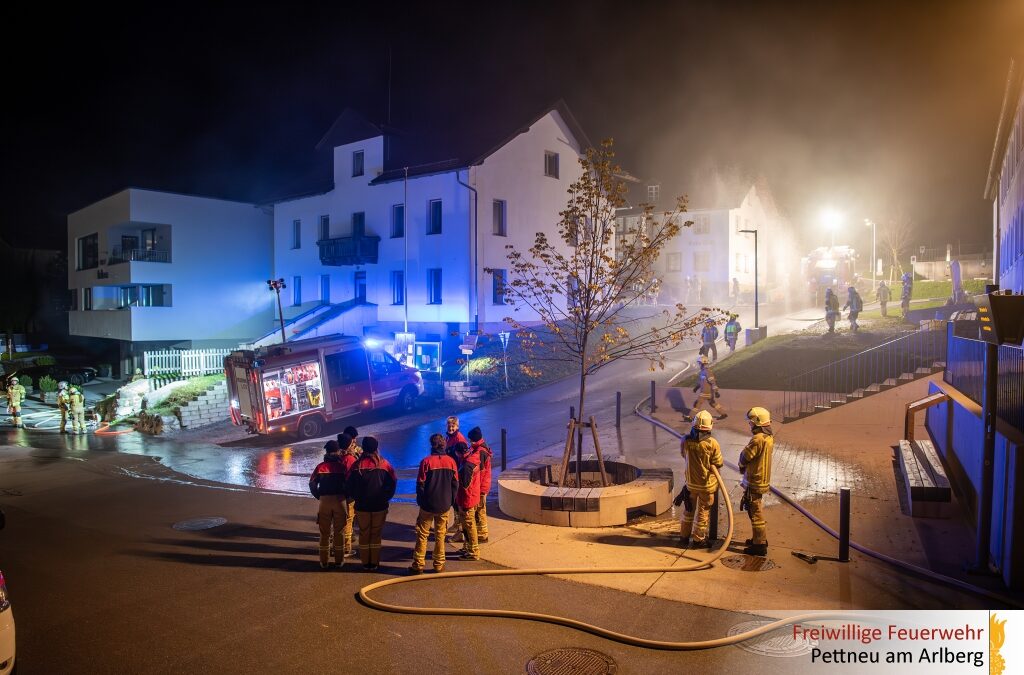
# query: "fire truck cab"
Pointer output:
{"type": "Point", "coordinates": [300, 386]}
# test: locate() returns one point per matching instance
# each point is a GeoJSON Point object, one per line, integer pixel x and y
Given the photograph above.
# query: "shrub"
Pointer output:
{"type": "Point", "coordinates": [25, 381]}
{"type": "Point", "coordinates": [45, 361]}
{"type": "Point", "coordinates": [47, 384]}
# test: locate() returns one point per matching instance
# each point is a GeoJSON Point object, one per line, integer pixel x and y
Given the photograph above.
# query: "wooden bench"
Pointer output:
{"type": "Point", "coordinates": [924, 479]}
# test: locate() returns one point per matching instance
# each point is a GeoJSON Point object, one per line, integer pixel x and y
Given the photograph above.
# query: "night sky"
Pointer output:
{"type": "Point", "coordinates": [859, 105]}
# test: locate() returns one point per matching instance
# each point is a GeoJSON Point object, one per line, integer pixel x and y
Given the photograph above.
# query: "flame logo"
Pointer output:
{"type": "Point", "coordinates": [996, 638]}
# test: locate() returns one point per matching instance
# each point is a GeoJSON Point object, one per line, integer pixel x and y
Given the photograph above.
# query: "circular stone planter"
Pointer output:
{"type": "Point", "coordinates": [531, 493]}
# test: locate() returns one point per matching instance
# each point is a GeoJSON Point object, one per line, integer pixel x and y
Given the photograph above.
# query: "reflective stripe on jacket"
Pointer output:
{"type": "Point", "coordinates": [756, 463]}
{"type": "Point", "coordinates": [701, 452]}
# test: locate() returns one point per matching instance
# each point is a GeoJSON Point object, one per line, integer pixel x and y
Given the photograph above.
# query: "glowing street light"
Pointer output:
{"type": "Point", "coordinates": [832, 220]}
{"type": "Point", "coordinates": [277, 285]}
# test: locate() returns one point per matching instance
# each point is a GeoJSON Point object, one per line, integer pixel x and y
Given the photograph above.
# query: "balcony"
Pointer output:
{"type": "Point", "coordinates": [358, 249]}
{"type": "Point", "coordinates": [121, 255]}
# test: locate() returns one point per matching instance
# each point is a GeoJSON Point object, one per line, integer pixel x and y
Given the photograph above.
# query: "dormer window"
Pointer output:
{"type": "Point", "coordinates": [357, 163]}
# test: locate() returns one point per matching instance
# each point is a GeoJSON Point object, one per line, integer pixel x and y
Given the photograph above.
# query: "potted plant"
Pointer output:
{"type": "Point", "coordinates": [48, 387]}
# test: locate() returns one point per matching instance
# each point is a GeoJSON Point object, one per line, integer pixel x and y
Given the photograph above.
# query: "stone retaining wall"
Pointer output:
{"type": "Point", "coordinates": [211, 406]}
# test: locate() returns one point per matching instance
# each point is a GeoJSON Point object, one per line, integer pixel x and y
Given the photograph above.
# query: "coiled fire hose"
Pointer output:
{"type": "Point", "coordinates": [365, 591]}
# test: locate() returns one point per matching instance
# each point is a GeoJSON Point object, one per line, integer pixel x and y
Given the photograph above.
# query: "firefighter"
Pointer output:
{"type": "Point", "coordinates": [701, 452]}
{"type": "Point", "coordinates": [63, 405]}
{"type": "Point", "coordinates": [15, 395]}
{"type": "Point", "coordinates": [884, 295]}
{"type": "Point", "coordinates": [908, 290]}
{"type": "Point", "coordinates": [732, 332]}
{"type": "Point", "coordinates": [755, 464]}
{"type": "Point", "coordinates": [476, 437]}
{"type": "Point", "coordinates": [371, 483]}
{"type": "Point", "coordinates": [348, 452]}
{"type": "Point", "coordinates": [831, 309]}
{"type": "Point", "coordinates": [468, 499]}
{"type": "Point", "coordinates": [708, 335]}
{"type": "Point", "coordinates": [709, 393]}
{"type": "Point", "coordinates": [855, 304]}
{"type": "Point", "coordinates": [327, 485]}
{"type": "Point", "coordinates": [77, 402]}
{"type": "Point", "coordinates": [437, 485]}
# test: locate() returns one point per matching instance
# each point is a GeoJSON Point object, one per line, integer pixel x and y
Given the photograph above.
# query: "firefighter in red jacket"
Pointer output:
{"type": "Point", "coordinates": [476, 437]}
{"type": "Point", "coordinates": [437, 486]}
{"type": "Point", "coordinates": [327, 484]}
{"type": "Point", "coordinates": [468, 499]}
{"type": "Point", "coordinates": [349, 454]}
{"type": "Point", "coordinates": [371, 483]}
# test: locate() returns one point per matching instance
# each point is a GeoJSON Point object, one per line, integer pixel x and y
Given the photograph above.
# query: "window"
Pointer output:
{"type": "Point", "coordinates": [434, 217]}
{"type": "Point", "coordinates": [346, 367]}
{"type": "Point", "coordinates": [74, 300]}
{"type": "Point", "coordinates": [325, 228]}
{"type": "Point", "coordinates": [296, 291]}
{"type": "Point", "coordinates": [88, 252]}
{"type": "Point", "coordinates": [325, 289]}
{"type": "Point", "coordinates": [551, 164]}
{"type": "Point", "coordinates": [383, 364]}
{"type": "Point", "coordinates": [653, 193]}
{"type": "Point", "coordinates": [499, 225]}
{"type": "Point", "coordinates": [129, 296]}
{"type": "Point", "coordinates": [86, 298]}
{"type": "Point", "coordinates": [434, 286]}
{"type": "Point", "coordinates": [296, 234]}
{"type": "Point", "coordinates": [398, 287]}
{"type": "Point", "coordinates": [397, 221]}
{"type": "Point", "coordinates": [357, 163]}
{"type": "Point", "coordinates": [498, 287]}
{"type": "Point", "coordinates": [149, 240]}
{"type": "Point", "coordinates": [155, 296]}
{"type": "Point", "coordinates": [675, 262]}
{"type": "Point", "coordinates": [701, 224]}
{"type": "Point", "coordinates": [700, 261]}
{"type": "Point", "coordinates": [737, 219]}
{"type": "Point", "coordinates": [359, 283]}
{"type": "Point", "coordinates": [358, 224]}
{"type": "Point", "coordinates": [739, 262]}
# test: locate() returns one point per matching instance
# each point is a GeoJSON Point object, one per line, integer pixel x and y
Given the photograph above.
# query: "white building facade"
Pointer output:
{"type": "Point", "coordinates": [153, 269]}
{"type": "Point", "coordinates": [381, 249]}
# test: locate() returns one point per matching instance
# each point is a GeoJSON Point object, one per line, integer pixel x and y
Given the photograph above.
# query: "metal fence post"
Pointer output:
{"type": "Point", "coordinates": [618, 409]}
{"type": "Point", "coordinates": [504, 447]}
{"type": "Point", "coordinates": [844, 524]}
{"type": "Point", "coordinates": [653, 407]}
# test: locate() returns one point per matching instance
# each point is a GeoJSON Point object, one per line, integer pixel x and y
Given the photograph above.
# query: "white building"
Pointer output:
{"type": "Point", "coordinates": [388, 244]}
{"type": "Point", "coordinates": [154, 269]}
{"type": "Point", "coordinates": [714, 250]}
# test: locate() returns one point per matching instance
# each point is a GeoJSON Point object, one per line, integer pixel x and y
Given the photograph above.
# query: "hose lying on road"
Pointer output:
{"type": "Point", "coordinates": [364, 596]}
{"type": "Point", "coordinates": [898, 564]}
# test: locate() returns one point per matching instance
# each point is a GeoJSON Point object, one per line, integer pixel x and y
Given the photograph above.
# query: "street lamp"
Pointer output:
{"type": "Point", "coordinates": [868, 221]}
{"type": "Point", "coordinates": [277, 285]}
{"type": "Point", "coordinates": [832, 219]}
{"type": "Point", "coordinates": [754, 232]}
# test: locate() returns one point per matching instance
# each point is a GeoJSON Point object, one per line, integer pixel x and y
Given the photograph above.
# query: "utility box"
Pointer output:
{"type": "Point", "coordinates": [755, 335]}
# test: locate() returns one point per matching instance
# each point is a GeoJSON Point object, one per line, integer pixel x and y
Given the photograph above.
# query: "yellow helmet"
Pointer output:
{"type": "Point", "coordinates": [703, 421]}
{"type": "Point", "coordinates": [702, 361]}
{"type": "Point", "coordinates": [759, 416]}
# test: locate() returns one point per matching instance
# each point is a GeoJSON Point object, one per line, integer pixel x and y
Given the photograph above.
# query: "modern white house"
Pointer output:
{"type": "Point", "coordinates": [699, 265]}
{"type": "Point", "coordinates": [154, 269]}
{"type": "Point", "coordinates": [391, 248]}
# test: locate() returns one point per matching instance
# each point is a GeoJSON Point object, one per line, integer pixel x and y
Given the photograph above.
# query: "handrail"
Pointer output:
{"type": "Point", "coordinates": [858, 354]}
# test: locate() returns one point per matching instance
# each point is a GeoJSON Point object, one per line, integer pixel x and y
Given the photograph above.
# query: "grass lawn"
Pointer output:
{"type": "Point", "coordinates": [186, 394]}
{"type": "Point", "coordinates": [894, 317]}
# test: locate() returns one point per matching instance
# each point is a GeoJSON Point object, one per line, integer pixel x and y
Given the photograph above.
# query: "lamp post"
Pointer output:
{"type": "Point", "coordinates": [874, 264]}
{"type": "Point", "coordinates": [276, 285]}
{"type": "Point", "coordinates": [831, 219]}
{"type": "Point", "coordinates": [754, 232]}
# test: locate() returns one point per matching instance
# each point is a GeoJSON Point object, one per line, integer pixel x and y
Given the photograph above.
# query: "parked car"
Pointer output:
{"type": "Point", "coordinates": [6, 624]}
{"type": "Point", "coordinates": [71, 374]}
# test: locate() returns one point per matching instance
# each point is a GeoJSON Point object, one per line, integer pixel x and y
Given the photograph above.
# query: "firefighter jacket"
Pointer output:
{"type": "Point", "coordinates": [709, 334]}
{"type": "Point", "coordinates": [328, 477]}
{"type": "Point", "coordinates": [63, 400]}
{"type": "Point", "coordinates": [77, 402]}
{"type": "Point", "coordinates": [469, 480]}
{"type": "Point", "coordinates": [756, 461]}
{"type": "Point", "coordinates": [854, 302]}
{"type": "Point", "coordinates": [15, 395]}
{"type": "Point", "coordinates": [707, 385]}
{"type": "Point", "coordinates": [831, 304]}
{"type": "Point", "coordinates": [732, 329]}
{"type": "Point", "coordinates": [371, 483]}
{"type": "Point", "coordinates": [884, 294]}
{"type": "Point", "coordinates": [437, 483]}
{"type": "Point", "coordinates": [485, 465]}
{"type": "Point", "coordinates": [701, 452]}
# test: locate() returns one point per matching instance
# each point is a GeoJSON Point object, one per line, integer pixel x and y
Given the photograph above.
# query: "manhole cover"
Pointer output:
{"type": "Point", "coordinates": [571, 661]}
{"type": "Point", "coordinates": [199, 524]}
{"type": "Point", "coordinates": [779, 642]}
{"type": "Point", "coordinates": [748, 563]}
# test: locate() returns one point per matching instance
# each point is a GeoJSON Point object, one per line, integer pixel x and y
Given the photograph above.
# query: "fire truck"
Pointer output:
{"type": "Point", "coordinates": [828, 267]}
{"type": "Point", "coordinates": [301, 386]}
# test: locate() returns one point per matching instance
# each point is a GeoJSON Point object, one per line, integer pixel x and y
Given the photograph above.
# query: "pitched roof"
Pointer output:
{"type": "Point", "coordinates": [350, 127]}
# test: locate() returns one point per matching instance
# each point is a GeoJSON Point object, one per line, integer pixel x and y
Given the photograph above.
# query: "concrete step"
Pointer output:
{"type": "Point", "coordinates": [906, 377]}
{"type": "Point", "coordinates": [836, 404]}
{"type": "Point", "coordinates": [821, 408]}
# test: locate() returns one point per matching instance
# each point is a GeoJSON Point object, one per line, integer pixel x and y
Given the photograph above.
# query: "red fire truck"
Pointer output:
{"type": "Point", "coordinates": [300, 386]}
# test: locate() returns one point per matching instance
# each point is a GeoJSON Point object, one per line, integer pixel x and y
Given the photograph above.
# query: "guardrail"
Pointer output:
{"type": "Point", "coordinates": [120, 255]}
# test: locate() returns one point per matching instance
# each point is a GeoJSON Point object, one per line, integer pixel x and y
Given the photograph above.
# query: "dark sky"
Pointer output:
{"type": "Point", "coordinates": [867, 106]}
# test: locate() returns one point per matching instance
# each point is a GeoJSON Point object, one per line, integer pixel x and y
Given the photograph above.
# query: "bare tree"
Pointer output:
{"type": "Point", "coordinates": [896, 234]}
{"type": "Point", "coordinates": [588, 291]}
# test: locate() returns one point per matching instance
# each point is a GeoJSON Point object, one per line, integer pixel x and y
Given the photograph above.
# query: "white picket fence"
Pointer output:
{"type": "Point", "coordinates": [188, 362]}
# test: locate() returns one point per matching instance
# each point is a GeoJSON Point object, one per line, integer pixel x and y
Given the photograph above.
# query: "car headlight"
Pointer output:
{"type": "Point", "coordinates": [4, 602]}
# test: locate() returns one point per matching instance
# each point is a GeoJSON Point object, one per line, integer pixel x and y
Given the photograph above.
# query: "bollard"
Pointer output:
{"type": "Point", "coordinates": [844, 524]}
{"type": "Point", "coordinates": [572, 412]}
{"type": "Point", "coordinates": [713, 525]}
{"type": "Point", "coordinates": [504, 446]}
{"type": "Point", "coordinates": [653, 407]}
{"type": "Point", "coordinates": [618, 409]}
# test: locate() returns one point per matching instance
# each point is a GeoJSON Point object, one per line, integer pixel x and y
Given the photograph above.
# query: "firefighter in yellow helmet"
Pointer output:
{"type": "Point", "coordinates": [755, 465]}
{"type": "Point", "coordinates": [77, 411]}
{"type": "Point", "coordinates": [15, 395]}
{"type": "Point", "coordinates": [701, 452]}
{"type": "Point", "coordinates": [63, 405]}
{"type": "Point", "coordinates": [707, 386]}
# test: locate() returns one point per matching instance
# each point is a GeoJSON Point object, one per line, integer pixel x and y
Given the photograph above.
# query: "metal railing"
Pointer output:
{"type": "Point", "coordinates": [965, 370]}
{"type": "Point", "coordinates": [120, 255]}
{"type": "Point", "coordinates": [836, 380]}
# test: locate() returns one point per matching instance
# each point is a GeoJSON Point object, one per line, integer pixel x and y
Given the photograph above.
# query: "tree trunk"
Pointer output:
{"type": "Point", "coordinates": [579, 427]}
